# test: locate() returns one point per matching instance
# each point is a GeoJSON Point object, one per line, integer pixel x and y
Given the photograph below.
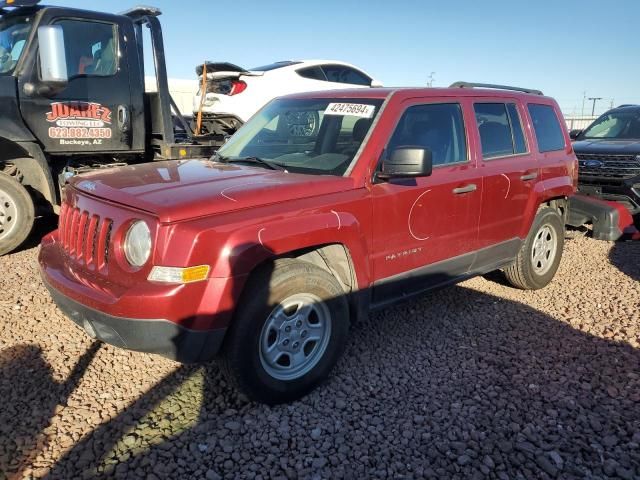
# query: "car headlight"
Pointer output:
{"type": "Point", "coordinates": [137, 244]}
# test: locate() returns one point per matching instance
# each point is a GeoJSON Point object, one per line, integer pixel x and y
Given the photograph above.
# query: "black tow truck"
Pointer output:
{"type": "Point", "coordinates": [72, 99]}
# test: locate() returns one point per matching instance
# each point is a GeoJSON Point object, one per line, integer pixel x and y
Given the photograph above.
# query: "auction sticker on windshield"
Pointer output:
{"type": "Point", "coordinates": [352, 109]}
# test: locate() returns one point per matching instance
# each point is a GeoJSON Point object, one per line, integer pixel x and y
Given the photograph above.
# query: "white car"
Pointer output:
{"type": "Point", "coordinates": [234, 94]}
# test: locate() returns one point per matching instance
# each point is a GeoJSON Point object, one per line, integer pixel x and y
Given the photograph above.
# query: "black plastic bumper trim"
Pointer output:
{"type": "Point", "coordinates": [158, 336]}
{"type": "Point", "coordinates": [604, 217]}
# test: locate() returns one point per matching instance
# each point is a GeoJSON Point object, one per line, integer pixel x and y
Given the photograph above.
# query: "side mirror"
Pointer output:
{"type": "Point", "coordinates": [376, 84]}
{"type": "Point", "coordinates": [53, 60]}
{"type": "Point", "coordinates": [407, 162]}
{"type": "Point", "coordinates": [575, 133]}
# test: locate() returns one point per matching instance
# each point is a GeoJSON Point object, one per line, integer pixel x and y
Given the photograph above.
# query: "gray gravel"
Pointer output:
{"type": "Point", "coordinates": [476, 381]}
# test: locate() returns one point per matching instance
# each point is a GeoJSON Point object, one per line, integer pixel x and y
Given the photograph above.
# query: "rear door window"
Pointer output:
{"type": "Point", "coordinates": [500, 130]}
{"type": "Point", "coordinates": [547, 127]}
{"type": "Point", "coordinates": [519, 142]}
{"type": "Point", "coordinates": [438, 127]}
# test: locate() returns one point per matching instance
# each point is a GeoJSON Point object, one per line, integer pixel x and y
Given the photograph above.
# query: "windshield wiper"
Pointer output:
{"type": "Point", "coordinates": [216, 157]}
{"type": "Point", "coordinates": [256, 160]}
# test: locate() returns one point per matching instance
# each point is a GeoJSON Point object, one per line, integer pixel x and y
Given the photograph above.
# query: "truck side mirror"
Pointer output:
{"type": "Point", "coordinates": [53, 60]}
{"type": "Point", "coordinates": [407, 162]}
{"type": "Point", "coordinates": [575, 133]}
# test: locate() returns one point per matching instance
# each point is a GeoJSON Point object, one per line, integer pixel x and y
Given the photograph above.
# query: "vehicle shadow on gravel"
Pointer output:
{"type": "Point", "coordinates": [456, 384]}
{"type": "Point", "coordinates": [29, 378]}
{"type": "Point", "coordinates": [626, 257]}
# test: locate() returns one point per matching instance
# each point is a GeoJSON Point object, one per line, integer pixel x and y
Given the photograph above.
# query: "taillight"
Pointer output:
{"type": "Point", "coordinates": [237, 86]}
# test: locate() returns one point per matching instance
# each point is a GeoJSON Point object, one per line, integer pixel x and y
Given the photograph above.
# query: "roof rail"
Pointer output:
{"type": "Point", "coordinates": [490, 85]}
{"type": "Point", "coordinates": [628, 105]}
{"type": "Point", "coordinates": [141, 11]}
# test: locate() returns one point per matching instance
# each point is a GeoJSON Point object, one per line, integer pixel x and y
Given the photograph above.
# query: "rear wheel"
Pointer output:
{"type": "Point", "coordinates": [290, 330]}
{"type": "Point", "coordinates": [17, 213]}
{"type": "Point", "coordinates": [539, 258]}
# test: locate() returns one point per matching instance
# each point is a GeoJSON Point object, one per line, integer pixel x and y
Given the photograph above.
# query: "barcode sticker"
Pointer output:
{"type": "Point", "coordinates": [352, 109]}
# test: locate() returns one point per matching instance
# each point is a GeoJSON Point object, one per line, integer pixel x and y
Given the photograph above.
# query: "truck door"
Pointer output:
{"type": "Point", "coordinates": [92, 113]}
{"type": "Point", "coordinates": [426, 229]}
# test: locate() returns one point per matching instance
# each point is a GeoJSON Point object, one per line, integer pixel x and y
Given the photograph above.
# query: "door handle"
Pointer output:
{"type": "Point", "coordinates": [472, 187]}
{"type": "Point", "coordinates": [123, 118]}
{"type": "Point", "coordinates": [529, 176]}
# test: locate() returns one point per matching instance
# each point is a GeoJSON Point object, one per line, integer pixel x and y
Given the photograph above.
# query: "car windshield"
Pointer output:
{"type": "Point", "coordinates": [620, 125]}
{"type": "Point", "coordinates": [313, 136]}
{"type": "Point", "coordinates": [14, 32]}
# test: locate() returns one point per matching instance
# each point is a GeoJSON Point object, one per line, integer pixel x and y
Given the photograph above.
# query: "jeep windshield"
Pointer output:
{"type": "Point", "coordinates": [14, 32]}
{"type": "Point", "coordinates": [620, 125]}
{"type": "Point", "coordinates": [312, 136]}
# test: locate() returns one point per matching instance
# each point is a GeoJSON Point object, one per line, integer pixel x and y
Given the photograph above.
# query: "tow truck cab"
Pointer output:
{"type": "Point", "coordinates": [72, 99]}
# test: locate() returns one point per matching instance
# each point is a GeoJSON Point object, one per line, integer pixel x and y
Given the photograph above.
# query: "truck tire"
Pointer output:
{"type": "Point", "coordinates": [539, 257]}
{"type": "Point", "coordinates": [288, 333]}
{"type": "Point", "coordinates": [17, 213]}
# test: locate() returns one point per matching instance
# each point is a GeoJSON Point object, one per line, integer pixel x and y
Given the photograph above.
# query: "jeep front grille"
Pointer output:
{"type": "Point", "coordinates": [611, 169]}
{"type": "Point", "coordinates": [85, 237]}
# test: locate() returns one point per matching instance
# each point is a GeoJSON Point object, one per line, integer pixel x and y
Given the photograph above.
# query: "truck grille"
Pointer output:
{"type": "Point", "coordinates": [607, 169]}
{"type": "Point", "coordinates": [85, 237]}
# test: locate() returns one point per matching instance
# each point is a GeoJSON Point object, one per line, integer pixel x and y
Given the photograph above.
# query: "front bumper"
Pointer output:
{"type": "Point", "coordinates": [627, 191]}
{"type": "Point", "coordinates": [157, 336]}
{"type": "Point", "coordinates": [186, 323]}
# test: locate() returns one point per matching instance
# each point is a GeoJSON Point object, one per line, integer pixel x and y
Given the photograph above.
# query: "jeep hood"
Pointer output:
{"type": "Point", "coordinates": [608, 146]}
{"type": "Point", "coordinates": [181, 190]}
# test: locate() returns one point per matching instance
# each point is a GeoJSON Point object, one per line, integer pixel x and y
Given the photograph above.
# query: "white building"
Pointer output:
{"type": "Point", "coordinates": [181, 90]}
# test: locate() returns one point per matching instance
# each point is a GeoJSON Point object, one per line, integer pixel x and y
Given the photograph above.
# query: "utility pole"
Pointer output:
{"type": "Point", "coordinates": [584, 99]}
{"type": "Point", "coordinates": [593, 109]}
{"type": "Point", "coordinates": [430, 81]}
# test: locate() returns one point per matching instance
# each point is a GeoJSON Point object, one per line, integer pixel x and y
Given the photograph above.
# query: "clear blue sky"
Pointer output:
{"type": "Point", "coordinates": [563, 47]}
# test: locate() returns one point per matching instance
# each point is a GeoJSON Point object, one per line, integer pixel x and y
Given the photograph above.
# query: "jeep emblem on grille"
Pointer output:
{"type": "Point", "coordinates": [593, 163]}
{"type": "Point", "coordinates": [87, 185]}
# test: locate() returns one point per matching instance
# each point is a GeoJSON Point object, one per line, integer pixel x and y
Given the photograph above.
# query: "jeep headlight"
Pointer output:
{"type": "Point", "coordinates": [137, 244]}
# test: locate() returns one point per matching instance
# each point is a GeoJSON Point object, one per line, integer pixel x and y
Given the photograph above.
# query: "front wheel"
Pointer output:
{"type": "Point", "coordinates": [539, 258]}
{"type": "Point", "coordinates": [290, 330]}
{"type": "Point", "coordinates": [17, 214]}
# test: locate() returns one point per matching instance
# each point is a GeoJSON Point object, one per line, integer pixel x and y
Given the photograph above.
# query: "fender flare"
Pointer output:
{"type": "Point", "coordinates": [252, 245]}
{"type": "Point", "coordinates": [545, 191]}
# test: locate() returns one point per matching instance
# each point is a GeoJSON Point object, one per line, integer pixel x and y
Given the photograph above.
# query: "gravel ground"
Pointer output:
{"type": "Point", "coordinates": [475, 381]}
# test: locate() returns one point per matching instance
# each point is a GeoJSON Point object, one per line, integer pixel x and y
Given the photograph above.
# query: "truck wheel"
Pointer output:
{"type": "Point", "coordinates": [539, 258]}
{"type": "Point", "coordinates": [17, 214]}
{"type": "Point", "coordinates": [289, 331]}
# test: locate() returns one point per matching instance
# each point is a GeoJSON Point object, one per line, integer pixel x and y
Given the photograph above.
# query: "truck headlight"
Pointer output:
{"type": "Point", "coordinates": [137, 244]}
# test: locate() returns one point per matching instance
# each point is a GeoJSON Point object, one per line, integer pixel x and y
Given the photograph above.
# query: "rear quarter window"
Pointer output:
{"type": "Point", "coordinates": [547, 127]}
{"type": "Point", "coordinates": [313, 73]}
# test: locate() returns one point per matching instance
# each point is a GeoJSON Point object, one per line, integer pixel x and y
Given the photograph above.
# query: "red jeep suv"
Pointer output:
{"type": "Point", "coordinates": [321, 208]}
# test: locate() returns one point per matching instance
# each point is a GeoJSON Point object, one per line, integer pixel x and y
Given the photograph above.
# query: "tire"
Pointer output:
{"type": "Point", "coordinates": [539, 258]}
{"type": "Point", "coordinates": [17, 214]}
{"type": "Point", "coordinates": [283, 304]}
